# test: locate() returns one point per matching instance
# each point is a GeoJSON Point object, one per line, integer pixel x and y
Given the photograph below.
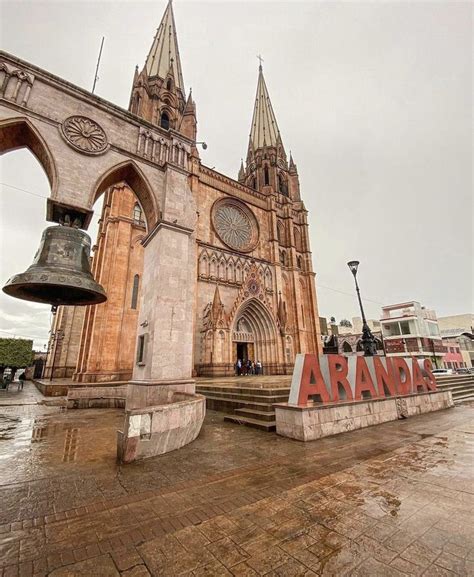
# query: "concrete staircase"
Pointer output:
{"type": "Point", "coordinates": [250, 406]}
{"type": "Point", "coordinates": [461, 386]}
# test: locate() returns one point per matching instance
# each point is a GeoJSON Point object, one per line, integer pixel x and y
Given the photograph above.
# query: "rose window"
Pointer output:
{"type": "Point", "coordinates": [236, 225]}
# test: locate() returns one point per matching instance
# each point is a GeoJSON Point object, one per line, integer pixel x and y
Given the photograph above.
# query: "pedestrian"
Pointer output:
{"type": "Point", "coordinates": [22, 379]}
{"type": "Point", "coordinates": [249, 367]}
{"type": "Point", "coordinates": [239, 367]}
{"type": "Point", "coordinates": [258, 368]}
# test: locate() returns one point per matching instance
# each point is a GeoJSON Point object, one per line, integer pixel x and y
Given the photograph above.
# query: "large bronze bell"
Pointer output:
{"type": "Point", "coordinates": [60, 273]}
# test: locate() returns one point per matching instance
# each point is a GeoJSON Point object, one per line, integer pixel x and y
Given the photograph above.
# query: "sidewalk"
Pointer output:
{"type": "Point", "coordinates": [394, 500]}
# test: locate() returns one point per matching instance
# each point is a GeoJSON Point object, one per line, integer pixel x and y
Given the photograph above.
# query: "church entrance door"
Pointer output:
{"type": "Point", "coordinates": [244, 352]}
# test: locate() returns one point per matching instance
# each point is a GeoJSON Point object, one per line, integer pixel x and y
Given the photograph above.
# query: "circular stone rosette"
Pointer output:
{"type": "Point", "coordinates": [235, 224]}
{"type": "Point", "coordinates": [84, 135]}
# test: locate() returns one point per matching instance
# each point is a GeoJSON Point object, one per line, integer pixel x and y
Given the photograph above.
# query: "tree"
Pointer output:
{"type": "Point", "coordinates": [16, 353]}
{"type": "Point", "coordinates": [333, 320]}
{"type": "Point", "coordinates": [345, 323]}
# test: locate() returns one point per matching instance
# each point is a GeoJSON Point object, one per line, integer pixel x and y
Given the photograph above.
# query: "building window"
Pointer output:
{"type": "Point", "coordinates": [266, 176]}
{"type": "Point", "coordinates": [141, 349]}
{"type": "Point", "coordinates": [169, 84]}
{"type": "Point", "coordinates": [165, 121]}
{"type": "Point", "coordinates": [346, 347]}
{"type": "Point", "coordinates": [136, 281]}
{"type": "Point", "coordinates": [137, 213]}
{"type": "Point", "coordinates": [405, 328]}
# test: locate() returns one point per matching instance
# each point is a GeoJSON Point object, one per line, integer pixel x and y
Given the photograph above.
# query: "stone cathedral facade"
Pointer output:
{"type": "Point", "coordinates": [256, 295]}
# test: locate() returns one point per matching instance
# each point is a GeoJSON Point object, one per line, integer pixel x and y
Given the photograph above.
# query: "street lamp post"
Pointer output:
{"type": "Point", "coordinates": [368, 339]}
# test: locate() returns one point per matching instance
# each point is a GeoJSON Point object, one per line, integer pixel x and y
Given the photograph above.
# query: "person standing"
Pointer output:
{"type": "Point", "coordinates": [22, 379]}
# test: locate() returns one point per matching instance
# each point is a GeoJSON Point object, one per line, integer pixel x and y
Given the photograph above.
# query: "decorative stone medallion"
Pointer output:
{"type": "Point", "coordinates": [84, 135]}
{"type": "Point", "coordinates": [235, 224]}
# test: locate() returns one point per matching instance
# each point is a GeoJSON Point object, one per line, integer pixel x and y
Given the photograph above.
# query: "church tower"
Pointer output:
{"type": "Point", "coordinates": [158, 93]}
{"type": "Point", "coordinates": [267, 169]}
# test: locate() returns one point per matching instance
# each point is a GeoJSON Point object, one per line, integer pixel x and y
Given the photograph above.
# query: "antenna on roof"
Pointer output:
{"type": "Point", "coordinates": [96, 77]}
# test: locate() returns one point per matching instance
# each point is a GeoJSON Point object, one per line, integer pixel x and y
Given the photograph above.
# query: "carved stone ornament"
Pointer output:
{"type": "Point", "coordinates": [84, 135]}
{"type": "Point", "coordinates": [235, 224]}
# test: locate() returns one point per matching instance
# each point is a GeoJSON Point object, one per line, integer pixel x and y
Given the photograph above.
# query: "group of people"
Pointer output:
{"type": "Point", "coordinates": [248, 367]}
{"type": "Point", "coordinates": [10, 376]}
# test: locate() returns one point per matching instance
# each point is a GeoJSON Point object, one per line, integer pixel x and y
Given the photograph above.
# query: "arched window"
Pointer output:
{"type": "Point", "coordinates": [283, 258]}
{"type": "Point", "coordinates": [299, 262]}
{"type": "Point", "coordinates": [297, 236]}
{"type": "Point", "coordinates": [266, 176]}
{"type": "Point", "coordinates": [165, 120]}
{"type": "Point", "coordinates": [346, 347]}
{"type": "Point", "coordinates": [281, 232]}
{"type": "Point", "coordinates": [137, 213]}
{"type": "Point", "coordinates": [136, 282]}
{"type": "Point", "coordinates": [169, 84]}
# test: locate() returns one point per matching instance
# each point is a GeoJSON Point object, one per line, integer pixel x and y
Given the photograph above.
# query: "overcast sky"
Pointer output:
{"type": "Point", "coordinates": [373, 99]}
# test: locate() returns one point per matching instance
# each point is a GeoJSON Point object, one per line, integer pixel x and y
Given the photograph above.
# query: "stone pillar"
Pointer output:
{"type": "Point", "coordinates": [164, 351]}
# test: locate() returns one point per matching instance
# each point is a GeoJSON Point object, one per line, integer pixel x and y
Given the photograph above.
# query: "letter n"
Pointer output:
{"type": "Point", "coordinates": [364, 383]}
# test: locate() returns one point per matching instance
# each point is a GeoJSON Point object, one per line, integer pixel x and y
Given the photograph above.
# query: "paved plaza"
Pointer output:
{"type": "Point", "coordinates": [389, 500]}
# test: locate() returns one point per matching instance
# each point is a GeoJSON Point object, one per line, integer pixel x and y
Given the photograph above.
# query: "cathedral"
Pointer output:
{"type": "Point", "coordinates": [255, 298]}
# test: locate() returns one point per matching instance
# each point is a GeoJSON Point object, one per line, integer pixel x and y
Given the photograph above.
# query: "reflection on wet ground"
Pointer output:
{"type": "Point", "coordinates": [390, 500]}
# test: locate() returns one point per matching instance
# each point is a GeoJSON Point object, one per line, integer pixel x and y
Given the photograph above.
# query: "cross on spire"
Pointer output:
{"type": "Point", "coordinates": [260, 59]}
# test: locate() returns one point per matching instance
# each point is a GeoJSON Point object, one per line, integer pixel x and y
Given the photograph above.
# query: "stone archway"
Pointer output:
{"type": "Point", "coordinates": [18, 133]}
{"type": "Point", "coordinates": [77, 137]}
{"type": "Point", "coordinates": [262, 333]}
{"type": "Point", "coordinates": [131, 174]}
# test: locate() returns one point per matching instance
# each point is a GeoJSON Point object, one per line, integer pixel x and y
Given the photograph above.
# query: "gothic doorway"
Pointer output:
{"type": "Point", "coordinates": [255, 337]}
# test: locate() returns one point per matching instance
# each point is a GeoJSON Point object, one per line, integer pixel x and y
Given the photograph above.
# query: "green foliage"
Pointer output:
{"type": "Point", "coordinates": [16, 352]}
{"type": "Point", "coordinates": [345, 323]}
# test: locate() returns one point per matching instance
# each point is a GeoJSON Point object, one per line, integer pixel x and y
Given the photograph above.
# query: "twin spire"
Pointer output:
{"type": "Point", "coordinates": [163, 72]}
{"type": "Point", "coordinates": [264, 130]}
{"type": "Point", "coordinates": [164, 54]}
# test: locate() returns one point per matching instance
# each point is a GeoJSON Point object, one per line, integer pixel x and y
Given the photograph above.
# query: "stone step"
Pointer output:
{"type": "Point", "coordinates": [459, 392]}
{"type": "Point", "coordinates": [269, 399]}
{"type": "Point", "coordinates": [249, 422]}
{"type": "Point", "coordinates": [465, 397]}
{"type": "Point", "coordinates": [243, 390]}
{"type": "Point", "coordinates": [258, 415]}
{"type": "Point", "coordinates": [215, 403]}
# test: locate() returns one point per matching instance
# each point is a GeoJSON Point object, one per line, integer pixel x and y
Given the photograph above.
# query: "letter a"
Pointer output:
{"type": "Point", "coordinates": [311, 381]}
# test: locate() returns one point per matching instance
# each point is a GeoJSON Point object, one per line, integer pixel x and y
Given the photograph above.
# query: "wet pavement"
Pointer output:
{"type": "Point", "coordinates": [396, 499]}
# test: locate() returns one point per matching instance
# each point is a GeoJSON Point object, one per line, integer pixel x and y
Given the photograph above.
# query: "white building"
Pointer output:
{"type": "Point", "coordinates": [411, 329]}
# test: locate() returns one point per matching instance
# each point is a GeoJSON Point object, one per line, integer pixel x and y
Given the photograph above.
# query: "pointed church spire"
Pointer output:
{"type": "Point", "coordinates": [163, 57]}
{"type": "Point", "coordinates": [264, 130]}
{"type": "Point", "coordinates": [241, 176]}
{"type": "Point", "coordinates": [216, 303]}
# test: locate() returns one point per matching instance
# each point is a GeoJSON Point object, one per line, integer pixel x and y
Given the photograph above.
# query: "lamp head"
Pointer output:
{"type": "Point", "coordinates": [353, 265]}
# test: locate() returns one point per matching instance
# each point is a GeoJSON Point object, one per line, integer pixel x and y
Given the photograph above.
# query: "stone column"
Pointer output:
{"type": "Point", "coordinates": [164, 353]}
